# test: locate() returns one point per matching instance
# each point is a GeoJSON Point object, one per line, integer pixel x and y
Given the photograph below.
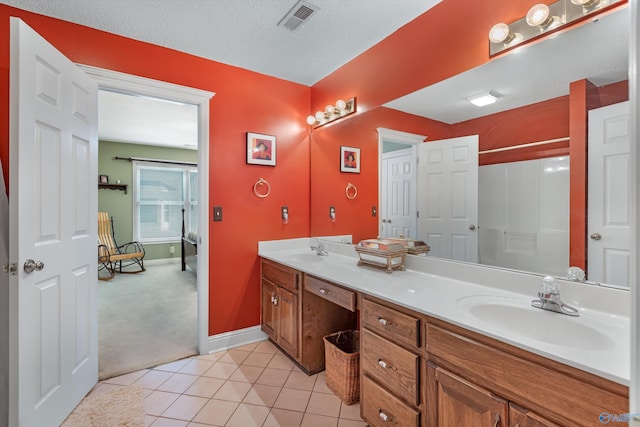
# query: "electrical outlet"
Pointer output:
{"type": "Point", "coordinates": [172, 250]}
{"type": "Point", "coordinates": [217, 213]}
{"type": "Point", "coordinates": [374, 211]}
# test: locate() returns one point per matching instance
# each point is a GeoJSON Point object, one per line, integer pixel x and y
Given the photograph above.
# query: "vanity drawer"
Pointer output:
{"type": "Point", "coordinates": [398, 327]}
{"type": "Point", "coordinates": [337, 295]}
{"type": "Point", "coordinates": [381, 409]}
{"type": "Point", "coordinates": [391, 365]}
{"type": "Point", "coordinates": [280, 275]}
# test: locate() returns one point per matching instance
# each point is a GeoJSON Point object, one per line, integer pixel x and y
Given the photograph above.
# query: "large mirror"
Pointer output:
{"type": "Point", "coordinates": [521, 215]}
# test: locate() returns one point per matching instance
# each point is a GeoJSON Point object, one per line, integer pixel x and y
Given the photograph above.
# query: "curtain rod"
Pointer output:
{"type": "Point", "coordinates": [532, 144]}
{"type": "Point", "coordinates": [169, 162]}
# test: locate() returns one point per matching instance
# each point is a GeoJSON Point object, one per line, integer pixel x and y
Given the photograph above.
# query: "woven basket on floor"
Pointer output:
{"type": "Point", "coordinates": [342, 363]}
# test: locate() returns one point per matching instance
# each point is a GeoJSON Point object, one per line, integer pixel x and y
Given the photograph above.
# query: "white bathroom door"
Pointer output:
{"type": "Point", "coordinates": [398, 194]}
{"type": "Point", "coordinates": [610, 202]}
{"type": "Point", "coordinates": [53, 221]}
{"type": "Point", "coordinates": [448, 202]}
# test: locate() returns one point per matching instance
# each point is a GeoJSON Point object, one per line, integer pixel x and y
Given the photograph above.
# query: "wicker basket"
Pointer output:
{"type": "Point", "coordinates": [342, 363]}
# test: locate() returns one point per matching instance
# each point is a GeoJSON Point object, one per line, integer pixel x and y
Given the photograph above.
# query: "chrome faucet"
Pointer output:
{"type": "Point", "coordinates": [550, 300]}
{"type": "Point", "coordinates": [319, 248]}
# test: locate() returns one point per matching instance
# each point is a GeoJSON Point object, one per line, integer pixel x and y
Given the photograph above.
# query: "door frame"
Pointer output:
{"type": "Point", "coordinates": [131, 84]}
{"type": "Point", "coordinates": [391, 135]}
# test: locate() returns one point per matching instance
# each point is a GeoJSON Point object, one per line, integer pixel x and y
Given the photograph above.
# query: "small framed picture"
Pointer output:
{"type": "Point", "coordinates": [261, 149]}
{"type": "Point", "coordinates": [104, 179]}
{"type": "Point", "coordinates": [349, 159]}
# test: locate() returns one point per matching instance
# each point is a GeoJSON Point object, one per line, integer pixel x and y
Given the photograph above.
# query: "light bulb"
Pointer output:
{"type": "Point", "coordinates": [340, 105]}
{"type": "Point", "coordinates": [538, 15]}
{"type": "Point", "coordinates": [319, 116]}
{"type": "Point", "coordinates": [500, 33]}
{"type": "Point", "coordinates": [311, 119]}
{"type": "Point", "coordinates": [329, 109]}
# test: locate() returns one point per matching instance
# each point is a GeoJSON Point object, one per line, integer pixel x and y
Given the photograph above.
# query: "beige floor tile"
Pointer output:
{"type": "Point", "coordinates": [169, 422]}
{"type": "Point", "coordinates": [178, 383]}
{"type": "Point", "coordinates": [247, 347]}
{"type": "Point", "coordinates": [233, 391]}
{"type": "Point", "coordinates": [149, 419]}
{"type": "Point", "coordinates": [212, 357]}
{"type": "Point", "coordinates": [274, 377]}
{"type": "Point", "coordinates": [283, 418]}
{"type": "Point", "coordinates": [173, 366]}
{"type": "Point", "coordinates": [351, 423]}
{"type": "Point", "coordinates": [153, 379]}
{"type": "Point", "coordinates": [321, 384]}
{"type": "Point", "coordinates": [294, 400]}
{"type": "Point", "coordinates": [300, 381]}
{"type": "Point", "coordinates": [313, 420]}
{"type": "Point", "coordinates": [192, 424]}
{"type": "Point", "coordinates": [127, 379]}
{"type": "Point", "coordinates": [248, 416]}
{"type": "Point", "coordinates": [324, 404]}
{"type": "Point", "coordinates": [280, 362]}
{"type": "Point", "coordinates": [350, 412]}
{"type": "Point", "coordinates": [221, 370]}
{"type": "Point", "coordinates": [197, 366]}
{"type": "Point", "coordinates": [234, 356]}
{"type": "Point", "coordinates": [185, 407]}
{"type": "Point", "coordinates": [266, 347]}
{"type": "Point", "coordinates": [158, 402]}
{"type": "Point", "coordinates": [263, 395]}
{"type": "Point", "coordinates": [258, 359]}
{"type": "Point", "coordinates": [247, 374]}
{"type": "Point", "coordinates": [216, 412]}
{"type": "Point", "coordinates": [205, 387]}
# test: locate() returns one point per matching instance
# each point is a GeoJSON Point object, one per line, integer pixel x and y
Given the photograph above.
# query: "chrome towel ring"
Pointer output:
{"type": "Point", "coordinates": [351, 191]}
{"type": "Point", "coordinates": [262, 183]}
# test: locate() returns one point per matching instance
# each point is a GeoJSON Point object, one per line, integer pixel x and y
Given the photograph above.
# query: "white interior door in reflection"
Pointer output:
{"type": "Point", "coordinates": [398, 216]}
{"type": "Point", "coordinates": [610, 201]}
{"type": "Point", "coordinates": [448, 202]}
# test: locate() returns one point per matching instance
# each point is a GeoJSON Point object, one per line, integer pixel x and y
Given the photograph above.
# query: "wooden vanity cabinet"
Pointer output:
{"type": "Point", "coordinates": [519, 417]}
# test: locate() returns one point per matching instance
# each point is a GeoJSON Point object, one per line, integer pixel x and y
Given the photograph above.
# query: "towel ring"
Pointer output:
{"type": "Point", "coordinates": [351, 191]}
{"type": "Point", "coordinates": [261, 183]}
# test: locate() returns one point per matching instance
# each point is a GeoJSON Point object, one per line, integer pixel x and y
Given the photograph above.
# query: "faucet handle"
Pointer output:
{"type": "Point", "coordinates": [550, 286]}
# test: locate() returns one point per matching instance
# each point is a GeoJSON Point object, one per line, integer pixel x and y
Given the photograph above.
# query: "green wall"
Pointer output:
{"type": "Point", "coordinates": [120, 205]}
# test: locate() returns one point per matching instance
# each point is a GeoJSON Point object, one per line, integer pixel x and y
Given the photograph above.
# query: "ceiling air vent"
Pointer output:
{"type": "Point", "coordinates": [300, 13]}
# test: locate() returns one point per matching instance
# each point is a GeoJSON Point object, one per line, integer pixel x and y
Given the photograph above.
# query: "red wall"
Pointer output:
{"type": "Point", "coordinates": [328, 183]}
{"type": "Point", "coordinates": [244, 101]}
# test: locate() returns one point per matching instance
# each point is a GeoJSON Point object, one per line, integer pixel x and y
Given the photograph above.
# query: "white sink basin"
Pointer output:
{"type": "Point", "coordinates": [517, 316]}
{"type": "Point", "coordinates": [310, 257]}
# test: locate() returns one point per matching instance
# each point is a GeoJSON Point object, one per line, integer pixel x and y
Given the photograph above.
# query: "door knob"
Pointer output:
{"type": "Point", "coordinates": [596, 236]}
{"type": "Point", "coordinates": [384, 221]}
{"type": "Point", "coordinates": [31, 265]}
{"type": "Point", "coordinates": [472, 227]}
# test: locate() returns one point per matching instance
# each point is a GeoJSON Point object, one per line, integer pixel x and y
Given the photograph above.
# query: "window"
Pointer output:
{"type": "Point", "coordinates": [160, 194]}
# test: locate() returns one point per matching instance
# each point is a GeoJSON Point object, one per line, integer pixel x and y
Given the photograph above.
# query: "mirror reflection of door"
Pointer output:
{"type": "Point", "coordinates": [610, 201]}
{"type": "Point", "coordinates": [398, 191]}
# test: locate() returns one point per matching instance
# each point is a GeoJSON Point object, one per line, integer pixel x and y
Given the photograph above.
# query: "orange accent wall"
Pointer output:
{"type": "Point", "coordinates": [328, 183]}
{"type": "Point", "coordinates": [244, 101]}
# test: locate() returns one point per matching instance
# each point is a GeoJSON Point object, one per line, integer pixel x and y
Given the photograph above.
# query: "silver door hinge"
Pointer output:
{"type": "Point", "coordinates": [11, 268]}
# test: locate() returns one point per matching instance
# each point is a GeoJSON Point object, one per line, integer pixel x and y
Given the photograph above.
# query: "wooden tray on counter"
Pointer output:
{"type": "Point", "coordinates": [383, 254]}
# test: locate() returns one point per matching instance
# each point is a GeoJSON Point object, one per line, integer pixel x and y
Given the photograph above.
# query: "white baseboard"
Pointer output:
{"type": "Point", "coordinates": [237, 338]}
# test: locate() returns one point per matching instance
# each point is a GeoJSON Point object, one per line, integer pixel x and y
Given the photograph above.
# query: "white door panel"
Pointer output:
{"type": "Point", "coordinates": [53, 211]}
{"type": "Point", "coordinates": [398, 194]}
{"type": "Point", "coordinates": [448, 202]}
{"type": "Point", "coordinates": [610, 198]}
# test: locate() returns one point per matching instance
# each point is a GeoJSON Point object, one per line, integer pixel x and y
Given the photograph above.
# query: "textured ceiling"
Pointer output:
{"type": "Point", "coordinates": [244, 33]}
{"type": "Point", "coordinates": [598, 51]}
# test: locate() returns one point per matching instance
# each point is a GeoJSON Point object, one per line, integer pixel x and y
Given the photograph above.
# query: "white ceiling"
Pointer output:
{"type": "Point", "coordinates": [244, 33]}
{"type": "Point", "coordinates": [597, 51]}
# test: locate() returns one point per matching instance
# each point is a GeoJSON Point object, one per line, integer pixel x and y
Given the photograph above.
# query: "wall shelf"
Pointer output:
{"type": "Point", "coordinates": [121, 187]}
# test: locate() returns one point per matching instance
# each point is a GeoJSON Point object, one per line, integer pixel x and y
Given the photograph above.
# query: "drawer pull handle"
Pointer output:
{"type": "Point", "coordinates": [497, 420]}
{"type": "Point", "coordinates": [385, 365]}
{"type": "Point", "coordinates": [324, 291]}
{"type": "Point", "coordinates": [274, 300]}
{"type": "Point", "coordinates": [383, 321]}
{"type": "Point", "coordinates": [386, 418]}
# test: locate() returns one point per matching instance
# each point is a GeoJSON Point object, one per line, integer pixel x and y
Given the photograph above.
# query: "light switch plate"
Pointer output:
{"type": "Point", "coordinates": [217, 213]}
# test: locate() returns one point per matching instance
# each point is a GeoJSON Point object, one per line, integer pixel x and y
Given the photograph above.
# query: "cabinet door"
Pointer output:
{"type": "Point", "coordinates": [461, 403]}
{"type": "Point", "coordinates": [519, 417]}
{"type": "Point", "coordinates": [288, 321]}
{"type": "Point", "coordinates": [269, 309]}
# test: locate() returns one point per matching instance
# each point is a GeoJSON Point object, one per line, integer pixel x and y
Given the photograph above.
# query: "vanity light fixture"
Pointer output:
{"type": "Point", "coordinates": [332, 112]}
{"type": "Point", "coordinates": [545, 18]}
{"type": "Point", "coordinates": [483, 99]}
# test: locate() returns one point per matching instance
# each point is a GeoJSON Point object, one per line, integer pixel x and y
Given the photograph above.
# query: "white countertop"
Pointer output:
{"type": "Point", "coordinates": [602, 349]}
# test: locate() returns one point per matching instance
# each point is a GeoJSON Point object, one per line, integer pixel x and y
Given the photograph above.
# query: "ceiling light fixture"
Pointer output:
{"type": "Point", "coordinates": [332, 112]}
{"type": "Point", "coordinates": [483, 99]}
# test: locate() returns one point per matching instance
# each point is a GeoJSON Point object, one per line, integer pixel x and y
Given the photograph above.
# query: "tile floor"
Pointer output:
{"type": "Point", "coordinates": [253, 385]}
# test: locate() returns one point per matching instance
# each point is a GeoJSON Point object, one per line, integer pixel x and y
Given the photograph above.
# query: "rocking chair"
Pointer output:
{"type": "Point", "coordinates": [113, 257]}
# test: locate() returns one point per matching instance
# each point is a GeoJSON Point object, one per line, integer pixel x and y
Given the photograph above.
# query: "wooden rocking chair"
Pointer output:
{"type": "Point", "coordinates": [113, 257]}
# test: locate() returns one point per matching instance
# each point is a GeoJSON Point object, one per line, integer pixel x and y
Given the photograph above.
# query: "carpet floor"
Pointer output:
{"type": "Point", "coordinates": [115, 408]}
{"type": "Point", "coordinates": [146, 319]}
